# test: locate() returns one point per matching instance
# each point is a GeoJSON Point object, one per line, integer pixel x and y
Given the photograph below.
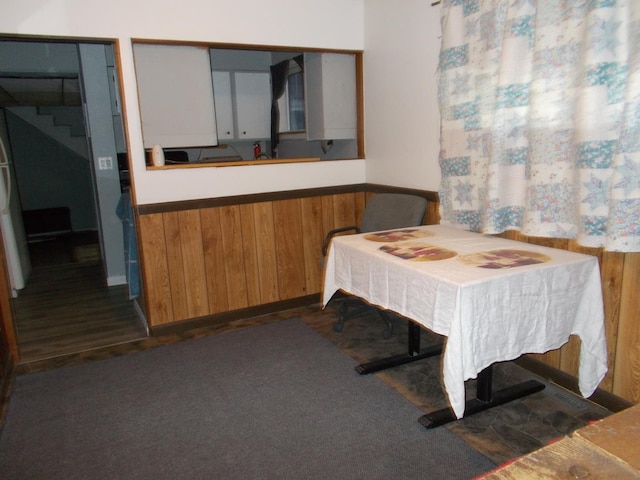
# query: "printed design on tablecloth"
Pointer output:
{"type": "Point", "coordinates": [505, 258]}
{"type": "Point", "coordinates": [398, 235]}
{"type": "Point", "coordinates": [418, 252]}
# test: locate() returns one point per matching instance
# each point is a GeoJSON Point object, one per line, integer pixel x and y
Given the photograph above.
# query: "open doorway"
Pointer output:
{"type": "Point", "coordinates": [61, 123]}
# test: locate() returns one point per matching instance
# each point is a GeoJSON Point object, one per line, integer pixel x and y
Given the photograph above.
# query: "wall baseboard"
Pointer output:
{"type": "Point", "coordinates": [601, 397]}
{"type": "Point", "coordinates": [225, 317]}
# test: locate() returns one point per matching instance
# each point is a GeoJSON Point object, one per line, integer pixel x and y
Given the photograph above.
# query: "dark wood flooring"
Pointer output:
{"type": "Point", "coordinates": [501, 434]}
{"type": "Point", "coordinates": [66, 306]}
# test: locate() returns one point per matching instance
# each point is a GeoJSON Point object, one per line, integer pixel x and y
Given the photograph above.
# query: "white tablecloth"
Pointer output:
{"type": "Point", "coordinates": [487, 314]}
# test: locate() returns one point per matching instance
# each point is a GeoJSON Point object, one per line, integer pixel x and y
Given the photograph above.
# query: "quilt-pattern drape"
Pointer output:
{"type": "Point", "coordinates": [540, 118]}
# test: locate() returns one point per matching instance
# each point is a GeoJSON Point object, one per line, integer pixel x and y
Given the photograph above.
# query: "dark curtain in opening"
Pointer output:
{"type": "Point", "coordinates": [278, 83]}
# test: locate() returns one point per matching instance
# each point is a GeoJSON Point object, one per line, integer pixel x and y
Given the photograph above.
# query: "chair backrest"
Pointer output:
{"type": "Point", "coordinates": [385, 211]}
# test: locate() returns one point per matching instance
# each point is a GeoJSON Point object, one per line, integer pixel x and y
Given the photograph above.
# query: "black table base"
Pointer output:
{"type": "Point", "coordinates": [485, 398]}
{"type": "Point", "coordinates": [413, 354]}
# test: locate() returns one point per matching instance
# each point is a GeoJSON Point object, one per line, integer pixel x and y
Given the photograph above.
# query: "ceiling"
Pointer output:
{"type": "Point", "coordinates": [36, 91]}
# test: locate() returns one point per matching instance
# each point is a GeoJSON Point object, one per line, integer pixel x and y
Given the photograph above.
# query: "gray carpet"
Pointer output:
{"type": "Point", "coordinates": [275, 401]}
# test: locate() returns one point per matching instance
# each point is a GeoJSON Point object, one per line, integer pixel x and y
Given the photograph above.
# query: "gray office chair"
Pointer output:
{"type": "Point", "coordinates": [384, 211]}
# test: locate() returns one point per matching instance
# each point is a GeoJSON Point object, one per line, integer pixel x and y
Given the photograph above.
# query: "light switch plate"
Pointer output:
{"type": "Point", "coordinates": [105, 163]}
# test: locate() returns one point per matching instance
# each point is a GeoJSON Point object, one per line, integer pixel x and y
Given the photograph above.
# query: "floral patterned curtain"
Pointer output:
{"type": "Point", "coordinates": [540, 118]}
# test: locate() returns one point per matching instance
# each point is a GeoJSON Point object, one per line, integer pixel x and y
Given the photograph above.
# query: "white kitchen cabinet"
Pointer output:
{"type": "Point", "coordinates": [176, 99]}
{"type": "Point", "coordinates": [330, 96]}
{"type": "Point", "coordinates": [224, 105]}
{"type": "Point", "coordinates": [243, 105]}
{"type": "Point", "coordinates": [253, 104]}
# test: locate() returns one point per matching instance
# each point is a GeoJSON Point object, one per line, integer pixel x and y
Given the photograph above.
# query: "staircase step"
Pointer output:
{"type": "Point", "coordinates": [63, 134]}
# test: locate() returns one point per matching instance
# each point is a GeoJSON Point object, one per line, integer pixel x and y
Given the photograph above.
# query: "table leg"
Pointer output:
{"type": "Point", "coordinates": [485, 399]}
{"type": "Point", "coordinates": [413, 354]}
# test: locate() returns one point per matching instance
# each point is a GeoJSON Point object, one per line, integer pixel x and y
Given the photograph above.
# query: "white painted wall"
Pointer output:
{"type": "Point", "coordinates": [402, 119]}
{"type": "Point", "coordinates": [401, 129]}
{"type": "Point", "coordinates": [312, 23]}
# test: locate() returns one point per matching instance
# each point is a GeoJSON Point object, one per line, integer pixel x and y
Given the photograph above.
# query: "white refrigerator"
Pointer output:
{"type": "Point", "coordinates": [11, 224]}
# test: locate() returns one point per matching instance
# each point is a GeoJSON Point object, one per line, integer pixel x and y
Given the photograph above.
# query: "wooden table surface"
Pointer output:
{"type": "Point", "coordinates": [607, 449]}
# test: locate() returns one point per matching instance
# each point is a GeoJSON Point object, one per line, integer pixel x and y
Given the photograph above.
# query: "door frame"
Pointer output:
{"type": "Point", "coordinates": [8, 329]}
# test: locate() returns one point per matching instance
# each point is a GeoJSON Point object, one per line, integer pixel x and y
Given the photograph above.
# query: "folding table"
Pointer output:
{"type": "Point", "coordinates": [493, 299]}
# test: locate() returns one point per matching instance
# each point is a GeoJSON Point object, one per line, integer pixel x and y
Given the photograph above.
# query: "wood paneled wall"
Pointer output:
{"type": "Point", "coordinates": [202, 261]}
{"type": "Point", "coordinates": [620, 275]}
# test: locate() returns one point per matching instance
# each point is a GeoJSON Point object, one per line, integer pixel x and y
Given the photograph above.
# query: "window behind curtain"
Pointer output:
{"type": "Point", "coordinates": [295, 97]}
{"type": "Point", "coordinates": [292, 104]}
